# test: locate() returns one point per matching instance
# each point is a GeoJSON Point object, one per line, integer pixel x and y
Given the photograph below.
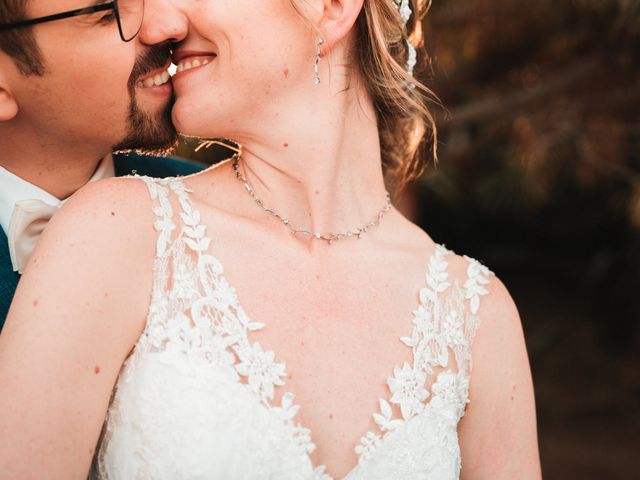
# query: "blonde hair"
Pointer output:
{"type": "Point", "coordinates": [407, 128]}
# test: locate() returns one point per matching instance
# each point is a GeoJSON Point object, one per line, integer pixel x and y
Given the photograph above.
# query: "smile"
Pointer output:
{"type": "Point", "coordinates": [192, 62]}
{"type": "Point", "coordinates": [154, 80]}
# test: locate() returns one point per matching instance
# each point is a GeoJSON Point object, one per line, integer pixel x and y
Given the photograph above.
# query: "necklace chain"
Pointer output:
{"type": "Point", "coordinates": [327, 237]}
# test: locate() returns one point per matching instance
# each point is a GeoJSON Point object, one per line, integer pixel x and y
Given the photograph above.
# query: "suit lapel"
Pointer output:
{"type": "Point", "coordinates": [8, 278]}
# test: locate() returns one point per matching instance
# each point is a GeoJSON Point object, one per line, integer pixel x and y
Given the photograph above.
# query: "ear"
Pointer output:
{"type": "Point", "coordinates": [337, 21]}
{"type": "Point", "coordinates": [8, 104]}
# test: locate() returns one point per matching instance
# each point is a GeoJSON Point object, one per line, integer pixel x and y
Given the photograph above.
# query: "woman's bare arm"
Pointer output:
{"type": "Point", "coordinates": [498, 434]}
{"type": "Point", "coordinates": [78, 311]}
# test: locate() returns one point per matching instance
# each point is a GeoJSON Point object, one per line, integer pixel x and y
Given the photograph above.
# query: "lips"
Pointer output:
{"type": "Point", "coordinates": [190, 60]}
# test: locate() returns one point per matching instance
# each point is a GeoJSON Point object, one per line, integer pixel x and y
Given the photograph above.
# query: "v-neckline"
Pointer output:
{"type": "Point", "coordinates": [201, 245]}
{"type": "Point", "coordinates": [444, 336]}
{"type": "Point", "coordinates": [283, 386]}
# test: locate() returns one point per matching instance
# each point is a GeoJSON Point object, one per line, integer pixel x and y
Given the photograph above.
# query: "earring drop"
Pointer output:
{"type": "Point", "coordinates": [316, 75]}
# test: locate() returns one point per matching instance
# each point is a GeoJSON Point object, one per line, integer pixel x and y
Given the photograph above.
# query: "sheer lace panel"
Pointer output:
{"type": "Point", "coordinates": [195, 399]}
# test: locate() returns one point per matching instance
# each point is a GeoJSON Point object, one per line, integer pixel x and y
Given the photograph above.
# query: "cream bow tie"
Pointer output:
{"type": "Point", "coordinates": [29, 219]}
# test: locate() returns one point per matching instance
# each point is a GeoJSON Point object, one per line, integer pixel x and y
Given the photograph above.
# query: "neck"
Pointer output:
{"type": "Point", "coordinates": [324, 173]}
{"type": "Point", "coordinates": [59, 167]}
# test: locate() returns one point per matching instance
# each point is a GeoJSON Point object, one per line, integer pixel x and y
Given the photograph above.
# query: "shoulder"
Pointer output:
{"type": "Point", "coordinates": [489, 299]}
{"type": "Point", "coordinates": [100, 246]}
{"type": "Point", "coordinates": [79, 309]}
{"type": "Point", "coordinates": [100, 215]}
{"type": "Point", "coordinates": [498, 432]}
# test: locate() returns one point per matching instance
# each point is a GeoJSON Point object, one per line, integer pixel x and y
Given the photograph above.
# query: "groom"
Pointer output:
{"type": "Point", "coordinates": [78, 79]}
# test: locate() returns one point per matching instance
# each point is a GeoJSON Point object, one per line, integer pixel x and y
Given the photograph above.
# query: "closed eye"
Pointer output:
{"type": "Point", "coordinates": [108, 18]}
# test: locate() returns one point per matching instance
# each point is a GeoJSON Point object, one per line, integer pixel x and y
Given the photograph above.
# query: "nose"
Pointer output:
{"type": "Point", "coordinates": [163, 22]}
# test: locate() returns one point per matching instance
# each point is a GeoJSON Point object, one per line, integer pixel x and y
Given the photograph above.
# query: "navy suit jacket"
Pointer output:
{"type": "Point", "coordinates": [159, 167]}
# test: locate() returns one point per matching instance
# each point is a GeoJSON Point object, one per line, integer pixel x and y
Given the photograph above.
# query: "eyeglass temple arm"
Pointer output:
{"type": "Point", "coordinates": [59, 16]}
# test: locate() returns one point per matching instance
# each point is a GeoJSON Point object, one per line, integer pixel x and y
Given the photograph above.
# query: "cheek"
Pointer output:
{"type": "Point", "coordinates": [95, 81]}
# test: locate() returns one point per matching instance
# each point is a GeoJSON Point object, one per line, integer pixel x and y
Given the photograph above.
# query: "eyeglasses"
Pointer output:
{"type": "Point", "coordinates": [129, 15]}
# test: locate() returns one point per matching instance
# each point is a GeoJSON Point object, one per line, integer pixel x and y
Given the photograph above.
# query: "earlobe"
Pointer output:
{"type": "Point", "coordinates": [8, 105]}
{"type": "Point", "coordinates": [338, 20]}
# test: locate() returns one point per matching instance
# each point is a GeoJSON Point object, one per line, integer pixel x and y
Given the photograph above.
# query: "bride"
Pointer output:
{"type": "Point", "coordinates": [274, 317]}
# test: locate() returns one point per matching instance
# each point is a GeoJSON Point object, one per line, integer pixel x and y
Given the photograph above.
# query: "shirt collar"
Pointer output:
{"type": "Point", "coordinates": [14, 189]}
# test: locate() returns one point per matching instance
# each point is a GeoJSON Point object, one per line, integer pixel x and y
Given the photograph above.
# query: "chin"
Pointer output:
{"type": "Point", "coordinates": [194, 122]}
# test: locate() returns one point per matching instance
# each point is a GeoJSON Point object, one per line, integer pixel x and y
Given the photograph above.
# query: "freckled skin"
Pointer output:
{"type": "Point", "coordinates": [286, 73]}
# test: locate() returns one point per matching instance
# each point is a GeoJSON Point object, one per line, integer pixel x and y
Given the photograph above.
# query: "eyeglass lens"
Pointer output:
{"type": "Point", "coordinates": [131, 14]}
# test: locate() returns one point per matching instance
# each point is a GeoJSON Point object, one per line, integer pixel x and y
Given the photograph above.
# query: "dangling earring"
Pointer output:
{"type": "Point", "coordinates": [316, 75]}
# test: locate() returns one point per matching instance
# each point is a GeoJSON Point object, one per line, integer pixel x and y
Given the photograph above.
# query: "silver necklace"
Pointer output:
{"type": "Point", "coordinates": [327, 237]}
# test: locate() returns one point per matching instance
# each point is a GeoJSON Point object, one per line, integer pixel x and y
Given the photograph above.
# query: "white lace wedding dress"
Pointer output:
{"type": "Point", "coordinates": [195, 398]}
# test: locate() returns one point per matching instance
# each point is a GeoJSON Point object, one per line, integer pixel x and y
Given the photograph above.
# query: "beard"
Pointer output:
{"type": "Point", "coordinates": [147, 133]}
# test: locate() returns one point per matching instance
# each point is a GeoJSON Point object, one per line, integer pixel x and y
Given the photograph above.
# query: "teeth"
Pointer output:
{"type": "Point", "coordinates": [155, 81]}
{"type": "Point", "coordinates": [161, 78]}
{"type": "Point", "coordinates": [189, 64]}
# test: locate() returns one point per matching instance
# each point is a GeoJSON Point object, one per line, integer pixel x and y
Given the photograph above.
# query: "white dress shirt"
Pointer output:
{"type": "Point", "coordinates": [25, 209]}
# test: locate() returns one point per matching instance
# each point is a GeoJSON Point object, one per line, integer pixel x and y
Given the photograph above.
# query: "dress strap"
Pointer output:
{"type": "Point", "coordinates": [186, 226]}
{"type": "Point", "coordinates": [180, 243]}
{"type": "Point", "coordinates": [474, 288]}
{"type": "Point", "coordinates": [477, 277]}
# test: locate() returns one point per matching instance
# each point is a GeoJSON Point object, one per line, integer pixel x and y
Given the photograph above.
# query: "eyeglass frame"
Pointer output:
{"type": "Point", "coordinates": [112, 5]}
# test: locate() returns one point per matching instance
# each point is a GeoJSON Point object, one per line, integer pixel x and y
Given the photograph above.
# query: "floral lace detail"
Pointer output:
{"type": "Point", "coordinates": [222, 325]}
{"type": "Point", "coordinates": [443, 331]}
{"type": "Point", "coordinates": [196, 324]}
{"type": "Point", "coordinates": [478, 276]}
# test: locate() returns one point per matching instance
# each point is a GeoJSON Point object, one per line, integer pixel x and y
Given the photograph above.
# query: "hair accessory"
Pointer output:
{"type": "Point", "coordinates": [316, 75]}
{"type": "Point", "coordinates": [404, 7]}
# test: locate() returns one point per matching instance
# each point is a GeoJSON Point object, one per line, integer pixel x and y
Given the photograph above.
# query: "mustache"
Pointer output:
{"type": "Point", "coordinates": [154, 58]}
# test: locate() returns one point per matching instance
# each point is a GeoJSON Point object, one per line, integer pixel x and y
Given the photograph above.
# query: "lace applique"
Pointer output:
{"type": "Point", "coordinates": [222, 326]}
{"type": "Point", "coordinates": [443, 330]}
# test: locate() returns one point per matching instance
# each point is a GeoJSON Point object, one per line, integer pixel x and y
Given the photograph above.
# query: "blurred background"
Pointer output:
{"type": "Point", "coordinates": [539, 177]}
